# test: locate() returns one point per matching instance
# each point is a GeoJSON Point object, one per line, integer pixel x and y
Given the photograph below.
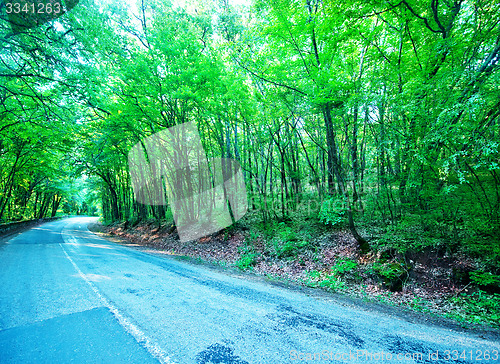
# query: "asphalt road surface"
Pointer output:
{"type": "Point", "coordinates": [67, 295]}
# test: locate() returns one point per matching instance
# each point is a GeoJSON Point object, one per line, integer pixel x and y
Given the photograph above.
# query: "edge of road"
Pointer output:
{"type": "Point", "coordinates": [23, 226]}
{"type": "Point", "coordinates": [479, 331]}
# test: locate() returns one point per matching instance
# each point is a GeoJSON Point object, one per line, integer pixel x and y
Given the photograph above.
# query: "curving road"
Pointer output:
{"type": "Point", "coordinates": [67, 295]}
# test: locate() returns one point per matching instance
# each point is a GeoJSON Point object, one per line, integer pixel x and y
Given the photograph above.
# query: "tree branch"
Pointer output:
{"type": "Point", "coordinates": [268, 80]}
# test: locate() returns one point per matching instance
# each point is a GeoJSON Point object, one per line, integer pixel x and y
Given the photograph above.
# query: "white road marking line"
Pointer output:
{"type": "Point", "coordinates": [137, 333]}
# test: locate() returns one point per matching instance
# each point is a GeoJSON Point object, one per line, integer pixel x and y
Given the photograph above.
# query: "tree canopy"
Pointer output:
{"type": "Point", "coordinates": [378, 116]}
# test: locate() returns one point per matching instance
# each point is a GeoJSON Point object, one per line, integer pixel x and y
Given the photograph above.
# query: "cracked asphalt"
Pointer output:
{"type": "Point", "coordinates": [68, 295]}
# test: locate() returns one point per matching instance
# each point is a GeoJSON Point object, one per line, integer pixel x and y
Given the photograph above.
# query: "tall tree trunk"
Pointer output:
{"type": "Point", "coordinates": [55, 204]}
{"type": "Point", "coordinates": [7, 192]}
{"type": "Point", "coordinates": [354, 157]}
{"type": "Point", "coordinates": [338, 171]}
{"type": "Point", "coordinates": [115, 213]}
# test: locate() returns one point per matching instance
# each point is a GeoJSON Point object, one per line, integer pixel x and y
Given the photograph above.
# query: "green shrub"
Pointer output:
{"type": "Point", "coordinates": [251, 237]}
{"type": "Point", "coordinates": [477, 307]}
{"type": "Point", "coordinates": [247, 260]}
{"type": "Point", "coordinates": [313, 278]}
{"type": "Point", "coordinates": [484, 278]}
{"type": "Point", "coordinates": [486, 250]}
{"type": "Point", "coordinates": [344, 266]}
{"type": "Point", "coordinates": [286, 232]}
{"type": "Point", "coordinates": [393, 274]}
{"type": "Point", "coordinates": [411, 233]}
{"type": "Point", "coordinates": [288, 248]}
{"type": "Point", "coordinates": [333, 283]}
{"type": "Point", "coordinates": [332, 211]}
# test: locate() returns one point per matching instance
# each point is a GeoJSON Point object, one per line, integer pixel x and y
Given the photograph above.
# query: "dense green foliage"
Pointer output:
{"type": "Point", "coordinates": [378, 116]}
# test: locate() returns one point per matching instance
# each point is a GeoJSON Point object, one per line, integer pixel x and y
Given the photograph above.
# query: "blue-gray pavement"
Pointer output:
{"type": "Point", "coordinates": [67, 295]}
{"type": "Point", "coordinates": [84, 337]}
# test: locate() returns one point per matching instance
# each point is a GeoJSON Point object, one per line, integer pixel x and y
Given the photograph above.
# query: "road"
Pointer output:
{"type": "Point", "coordinates": [67, 295]}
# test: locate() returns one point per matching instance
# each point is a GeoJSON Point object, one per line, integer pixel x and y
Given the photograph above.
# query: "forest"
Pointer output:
{"type": "Point", "coordinates": [379, 118]}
